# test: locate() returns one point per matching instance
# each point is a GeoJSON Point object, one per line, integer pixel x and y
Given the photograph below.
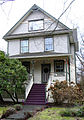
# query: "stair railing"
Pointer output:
{"type": "Point", "coordinates": [29, 85]}
{"type": "Point", "coordinates": [48, 86]}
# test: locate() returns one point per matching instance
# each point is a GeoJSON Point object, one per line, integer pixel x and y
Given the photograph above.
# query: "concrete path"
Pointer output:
{"type": "Point", "coordinates": [26, 108]}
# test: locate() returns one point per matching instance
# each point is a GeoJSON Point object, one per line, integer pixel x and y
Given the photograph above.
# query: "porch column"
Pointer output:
{"type": "Point", "coordinates": [69, 70]}
{"type": "Point", "coordinates": [66, 69]}
{"type": "Point", "coordinates": [33, 69]}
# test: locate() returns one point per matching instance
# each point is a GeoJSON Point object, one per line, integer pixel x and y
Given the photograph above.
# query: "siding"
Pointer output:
{"type": "Point", "coordinates": [23, 27]}
{"type": "Point", "coordinates": [36, 44]}
{"type": "Point", "coordinates": [61, 44]}
{"type": "Point", "coordinates": [14, 47]}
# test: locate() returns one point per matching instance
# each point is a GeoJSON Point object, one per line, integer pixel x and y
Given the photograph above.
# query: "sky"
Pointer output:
{"type": "Point", "coordinates": [12, 11]}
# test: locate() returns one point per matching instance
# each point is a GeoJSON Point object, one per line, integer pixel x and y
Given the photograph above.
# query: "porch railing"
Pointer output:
{"type": "Point", "coordinates": [48, 85]}
{"type": "Point", "coordinates": [28, 85]}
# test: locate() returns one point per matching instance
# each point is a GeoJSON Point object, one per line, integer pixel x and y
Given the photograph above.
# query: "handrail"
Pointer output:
{"type": "Point", "coordinates": [48, 86]}
{"type": "Point", "coordinates": [29, 86]}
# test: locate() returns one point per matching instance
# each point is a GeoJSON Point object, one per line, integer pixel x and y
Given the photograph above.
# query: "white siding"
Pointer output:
{"type": "Point", "coordinates": [36, 45]}
{"type": "Point", "coordinates": [14, 47]}
{"type": "Point", "coordinates": [23, 27]}
{"type": "Point", "coordinates": [61, 44]}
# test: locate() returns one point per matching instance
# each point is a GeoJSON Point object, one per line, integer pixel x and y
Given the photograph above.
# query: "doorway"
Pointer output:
{"type": "Point", "coordinates": [45, 72]}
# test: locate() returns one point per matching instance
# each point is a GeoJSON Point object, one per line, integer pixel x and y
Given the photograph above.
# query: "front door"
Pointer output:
{"type": "Point", "coordinates": [45, 72]}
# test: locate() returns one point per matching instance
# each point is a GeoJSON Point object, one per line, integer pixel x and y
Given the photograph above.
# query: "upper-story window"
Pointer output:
{"type": "Point", "coordinates": [24, 46]}
{"type": "Point", "coordinates": [49, 44]}
{"type": "Point", "coordinates": [35, 25]}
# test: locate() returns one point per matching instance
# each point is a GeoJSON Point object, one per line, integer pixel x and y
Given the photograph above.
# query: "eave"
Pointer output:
{"type": "Point", "coordinates": [40, 55]}
{"type": "Point", "coordinates": [37, 34]}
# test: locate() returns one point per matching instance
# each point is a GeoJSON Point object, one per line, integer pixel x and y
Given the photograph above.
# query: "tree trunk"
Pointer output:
{"type": "Point", "coordinates": [1, 98]}
{"type": "Point", "coordinates": [9, 94]}
{"type": "Point", "coordinates": [16, 97]}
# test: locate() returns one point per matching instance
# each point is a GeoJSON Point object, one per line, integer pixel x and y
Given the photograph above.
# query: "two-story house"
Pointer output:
{"type": "Point", "coordinates": [47, 48]}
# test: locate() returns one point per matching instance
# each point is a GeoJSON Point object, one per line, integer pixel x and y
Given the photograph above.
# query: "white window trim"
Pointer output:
{"type": "Point", "coordinates": [35, 21]}
{"type": "Point", "coordinates": [45, 44]}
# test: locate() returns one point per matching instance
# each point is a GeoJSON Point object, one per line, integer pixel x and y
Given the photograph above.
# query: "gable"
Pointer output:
{"type": "Point", "coordinates": [35, 13]}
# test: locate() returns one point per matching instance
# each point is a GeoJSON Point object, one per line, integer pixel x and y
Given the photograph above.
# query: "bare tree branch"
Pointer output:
{"type": "Point", "coordinates": [60, 16]}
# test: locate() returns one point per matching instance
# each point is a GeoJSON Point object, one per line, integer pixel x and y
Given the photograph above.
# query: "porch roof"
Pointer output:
{"type": "Point", "coordinates": [40, 55]}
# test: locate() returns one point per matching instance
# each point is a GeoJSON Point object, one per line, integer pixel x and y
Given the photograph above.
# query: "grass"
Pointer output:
{"type": "Point", "coordinates": [52, 114]}
{"type": "Point", "coordinates": [2, 109]}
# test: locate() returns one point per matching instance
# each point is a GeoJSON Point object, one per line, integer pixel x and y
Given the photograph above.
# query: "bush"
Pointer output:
{"type": "Point", "coordinates": [68, 113]}
{"type": "Point", "coordinates": [18, 107]}
{"type": "Point", "coordinates": [8, 112]}
{"type": "Point", "coordinates": [64, 92]}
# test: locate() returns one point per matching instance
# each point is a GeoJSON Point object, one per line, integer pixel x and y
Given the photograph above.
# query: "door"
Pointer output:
{"type": "Point", "coordinates": [45, 72]}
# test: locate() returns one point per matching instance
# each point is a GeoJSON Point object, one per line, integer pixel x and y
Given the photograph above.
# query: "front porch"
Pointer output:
{"type": "Point", "coordinates": [42, 69]}
{"type": "Point", "coordinates": [46, 71]}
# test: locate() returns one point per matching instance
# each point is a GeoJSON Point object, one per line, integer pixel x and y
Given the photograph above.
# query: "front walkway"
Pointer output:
{"type": "Point", "coordinates": [26, 108]}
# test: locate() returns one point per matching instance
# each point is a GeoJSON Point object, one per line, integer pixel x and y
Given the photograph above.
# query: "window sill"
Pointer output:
{"type": "Point", "coordinates": [59, 74]}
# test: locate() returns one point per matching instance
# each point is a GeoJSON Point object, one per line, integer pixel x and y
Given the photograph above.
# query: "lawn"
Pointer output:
{"type": "Point", "coordinates": [52, 114]}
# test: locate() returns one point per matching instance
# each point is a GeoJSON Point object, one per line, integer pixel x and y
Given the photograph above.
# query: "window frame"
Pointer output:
{"type": "Point", "coordinates": [35, 21]}
{"type": "Point", "coordinates": [52, 44]}
{"type": "Point", "coordinates": [25, 39]}
{"type": "Point", "coordinates": [58, 68]}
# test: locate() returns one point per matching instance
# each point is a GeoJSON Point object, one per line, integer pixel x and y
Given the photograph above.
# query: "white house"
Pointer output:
{"type": "Point", "coordinates": [47, 48]}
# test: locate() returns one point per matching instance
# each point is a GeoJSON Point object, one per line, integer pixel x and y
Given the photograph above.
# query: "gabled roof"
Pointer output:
{"type": "Point", "coordinates": [34, 7]}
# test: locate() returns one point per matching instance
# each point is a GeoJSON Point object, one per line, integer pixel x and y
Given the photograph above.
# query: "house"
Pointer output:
{"type": "Point", "coordinates": [47, 48]}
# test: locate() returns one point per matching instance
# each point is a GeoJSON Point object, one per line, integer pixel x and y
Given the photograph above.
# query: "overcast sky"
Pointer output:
{"type": "Point", "coordinates": [12, 11]}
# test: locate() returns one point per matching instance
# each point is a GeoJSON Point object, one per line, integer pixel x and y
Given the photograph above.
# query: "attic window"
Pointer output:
{"type": "Point", "coordinates": [35, 25]}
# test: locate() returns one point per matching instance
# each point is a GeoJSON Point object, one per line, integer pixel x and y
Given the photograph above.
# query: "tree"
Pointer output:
{"type": "Point", "coordinates": [12, 76]}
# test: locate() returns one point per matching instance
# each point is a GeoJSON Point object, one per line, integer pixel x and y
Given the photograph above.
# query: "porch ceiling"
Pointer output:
{"type": "Point", "coordinates": [40, 55]}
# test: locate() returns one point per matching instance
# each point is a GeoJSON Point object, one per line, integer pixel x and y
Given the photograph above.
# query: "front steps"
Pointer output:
{"type": "Point", "coordinates": [36, 95]}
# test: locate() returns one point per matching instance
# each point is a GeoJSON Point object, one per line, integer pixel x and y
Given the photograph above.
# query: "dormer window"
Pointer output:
{"type": "Point", "coordinates": [35, 25]}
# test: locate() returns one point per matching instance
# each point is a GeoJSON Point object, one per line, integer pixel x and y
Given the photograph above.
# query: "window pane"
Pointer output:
{"type": "Point", "coordinates": [24, 49]}
{"type": "Point", "coordinates": [48, 40]}
{"type": "Point", "coordinates": [36, 25]}
{"type": "Point", "coordinates": [48, 47]}
{"type": "Point", "coordinates": [48, 44]}
{"type": "Point", "coordinates": [24, 43]}
{"type": "Point", "coordinates": [59, 66]}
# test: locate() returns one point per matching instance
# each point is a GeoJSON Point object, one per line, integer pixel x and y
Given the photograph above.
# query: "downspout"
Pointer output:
{"type": "Point", "coordinates": [66, 69]}
{"type": "Point", "coordinates": [69, 71]}
{"type": "Point", "coordinates": [75, 67]}
{"type": "Point", "coordinates": [8, 48]}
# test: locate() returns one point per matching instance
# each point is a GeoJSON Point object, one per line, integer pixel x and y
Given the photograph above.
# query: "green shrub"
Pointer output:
{"type": "Point", "coordinates": [8, 112]}
{"type": "Point", "coordinates": [18, 107]}
{"type": "Point", "coordinates": [79, 112]}
{"type": "Point", "coordinates": [64, 92]}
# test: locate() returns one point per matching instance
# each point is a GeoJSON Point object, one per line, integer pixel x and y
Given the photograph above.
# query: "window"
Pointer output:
{"type": "Point", "coordinates": [35, 25]}
{"type": "Point", "coordinates": [59, 66]}
{"type": "Point", "coordinates": [24, 46]}
{"type": "Point", "coordinates": [48, 44]}
{"type": "Point", "coordinates": [27, 65]}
